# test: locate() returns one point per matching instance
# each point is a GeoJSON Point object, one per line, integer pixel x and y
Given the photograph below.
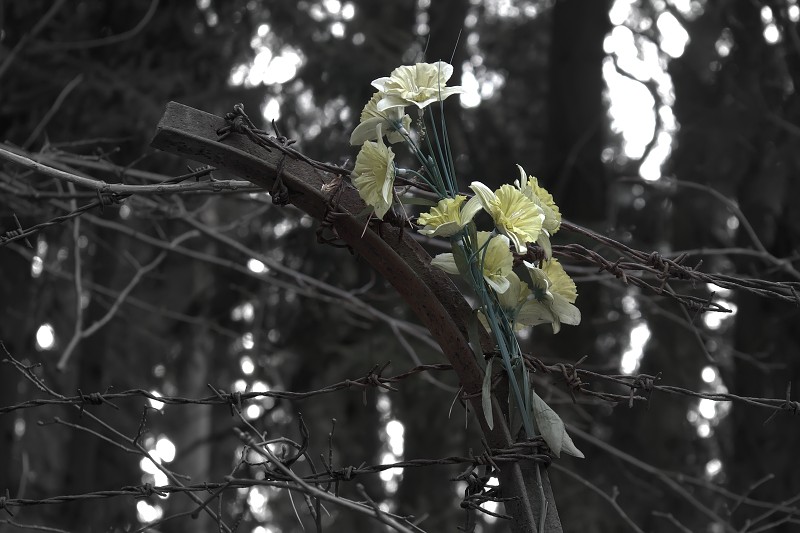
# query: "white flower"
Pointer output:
{"type": "Point", "coordinates": [388, 120]}
{"type": "Point", "coordinates": [374, 175]}
{"type": "Point", "coordinates": [419, 85]}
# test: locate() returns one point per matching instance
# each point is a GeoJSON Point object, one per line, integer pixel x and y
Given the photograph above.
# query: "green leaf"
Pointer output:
{"type": "Point", "coordinates": [552, 428]}
{"type": "Point", "coordinates": [486, 395]}
{"type": "Point", "coordinates": [570, 448]}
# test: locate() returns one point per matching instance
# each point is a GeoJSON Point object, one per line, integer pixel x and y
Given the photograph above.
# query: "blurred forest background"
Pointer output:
{"type": "Point", "coordinates": [649, 121]}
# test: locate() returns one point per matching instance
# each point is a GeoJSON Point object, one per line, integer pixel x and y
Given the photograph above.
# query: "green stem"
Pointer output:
{"type": "Point", "coordinates": [422, 178]}
{"type": "Point", "coordinates": [507, 356]}
{"type": "Point", "coordinates": [428, 163]}
{"type": "Point", "coordinates": [448, 152]}
{"type": "Point", "coordinates": [502, 334]}
{"type": "Point", "coordinates": [446, 165]}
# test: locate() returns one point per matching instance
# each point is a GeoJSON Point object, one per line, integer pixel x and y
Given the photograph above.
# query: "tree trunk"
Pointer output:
{"type": "Point", "coordinates": [577, 113]}
{"type": "Point", "coordinates": [97, 363]}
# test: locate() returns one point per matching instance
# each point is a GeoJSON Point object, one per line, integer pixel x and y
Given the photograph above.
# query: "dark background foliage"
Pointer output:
{"type": "Point", "coordinates": [92, 83]}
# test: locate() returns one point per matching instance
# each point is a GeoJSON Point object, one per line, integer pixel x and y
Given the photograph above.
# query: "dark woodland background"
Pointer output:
{"type": "Point", "coordinates": [121, 62]}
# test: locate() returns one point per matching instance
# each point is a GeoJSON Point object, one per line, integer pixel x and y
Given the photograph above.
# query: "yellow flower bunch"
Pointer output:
{"type": "Point", "coordinates": [522, 213]}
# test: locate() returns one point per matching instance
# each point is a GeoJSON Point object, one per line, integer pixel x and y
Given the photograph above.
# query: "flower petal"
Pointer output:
{"type": "Point", "coordinates": [533, 313]}
{"type": "Point", "coordinates": [499, 284]}
{"type": "Point", "coordinates": [566, 312]}
{"type": "Point", "coordinates": [470, 209]}
{"type": "Point", "coordinates": [529, 186]}
{"type": "Point", "coordinates": [380, 83]}
{"type": "Point", "coordinates": [389, 101]}
{"type": "Point", "coordinates": [560, 282]}
{"type": "Point", "coordinates": [447, 217]}
{"type": "Point", "coordinates": [484, 194]}
{"type": "Point", "coordinates": [365, 131]}
{"type": "Point", "coordinates": [391, 120]}
{"type": "Point", "coordinates": [445, 262]}
{"type": "Point", "coordinates": [544, 242]}
{"type": "Point", "coordinates": [447, 229]}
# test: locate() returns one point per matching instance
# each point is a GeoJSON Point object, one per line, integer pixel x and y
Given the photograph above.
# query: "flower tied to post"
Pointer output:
{"type": "Point", "coordinates": [522, 213]}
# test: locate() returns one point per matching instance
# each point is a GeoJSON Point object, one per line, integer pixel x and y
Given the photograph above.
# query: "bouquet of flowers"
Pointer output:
{"type": "Point", "coordinates": [523, 213]}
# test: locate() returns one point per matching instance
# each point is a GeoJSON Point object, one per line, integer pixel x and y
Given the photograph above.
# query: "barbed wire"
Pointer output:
{"type": "Point", "coordinates": [237, 121]}
{"type": "Point", "coordinates": [19, 233]}
{"type": "Point", "coordinates": [570, 373]}
{"type": "Point", "coordinates": [373, 379]}
{"type": "Point", "coordinates": [531, 450]}
{"type": "Point", "coordinates": [476, 493]}
{"type": "Point", "coordinates": [105, 193]}
{"type": "Point", "coordinates": [521, 452]}
{"type": "Point", "coordinates": [665, 269]}
{"type": "Point", "coordinates": [632, 266]}
{"type": "Point", "coordinates": [633, 270]}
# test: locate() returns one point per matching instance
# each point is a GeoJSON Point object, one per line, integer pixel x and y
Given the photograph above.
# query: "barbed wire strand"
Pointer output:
{"type": "Point", "coordinates": [493, 458]}
{"type": "Point", "coordinates": [637, 269]}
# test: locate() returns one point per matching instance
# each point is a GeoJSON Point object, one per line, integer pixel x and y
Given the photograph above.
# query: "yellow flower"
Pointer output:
{"type": "Point", "coordinates": [514, 214]}
{"type": "Point", "coordinates": [418, 85]}
{"type": "Point", "coordinates": [374, 175]}
{"type": "Point", "coordinates": [371, 118]}
{"type": "Point", "coordinates": [497, 260]}
{"type": "Point", "coordinates": [496, 257]}
{"type": "Point", "coordinates": [447, 217]}
{"type": "Point", "coordinates": [554, 293]}
{"type": "Point", "coordinates": [529, 186]}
